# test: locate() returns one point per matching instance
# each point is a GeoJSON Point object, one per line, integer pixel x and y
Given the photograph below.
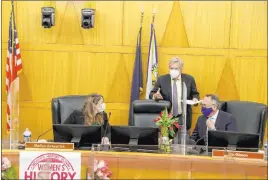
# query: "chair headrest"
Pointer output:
{"type": "Point", "coordinates": [67, 104]}
{"type": "Point", "coordinates": [248, 115]}
{"type": "Point", "coordinates": [150, 106]}
{"type": "Point", "coordinates": [256, 107]}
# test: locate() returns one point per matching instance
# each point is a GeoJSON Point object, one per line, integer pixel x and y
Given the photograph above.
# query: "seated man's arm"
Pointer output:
{"type": "Point", "coordinates": [231, 126]}
{"type": "Point", "coordinates": [195, 135]}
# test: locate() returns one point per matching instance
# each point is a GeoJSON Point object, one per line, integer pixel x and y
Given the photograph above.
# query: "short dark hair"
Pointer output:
{"type": "Point", "coordinates": [214, 99]}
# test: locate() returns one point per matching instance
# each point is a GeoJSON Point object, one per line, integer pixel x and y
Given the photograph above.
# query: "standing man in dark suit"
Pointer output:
{"type": "Point", "coordinates": [212, 118]}
{"type": "Point", "coordinates": [169, 87]}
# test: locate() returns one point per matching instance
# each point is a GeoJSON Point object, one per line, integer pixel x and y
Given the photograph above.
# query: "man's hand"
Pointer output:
{"type": "Point", "coordinates": [210, 124]}
{"type": "Point", "coordinates": [157, 95]}
{"type": "Point", "coordinates": [196, 101]}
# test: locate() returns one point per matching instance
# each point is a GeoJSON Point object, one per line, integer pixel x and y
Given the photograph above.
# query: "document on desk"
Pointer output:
{"type": "Point", "coordinates": [191, 102]}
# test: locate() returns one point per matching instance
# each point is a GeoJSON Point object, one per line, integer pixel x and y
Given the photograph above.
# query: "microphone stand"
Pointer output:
{"type": "Point", "coordinates": [184, 128]}
{"type": "Point", "coordinates": [102, 143]}
{"type": "Point", "coordinates": [201, 149]}
{"type": "Point", "coordinates": [43, 134]}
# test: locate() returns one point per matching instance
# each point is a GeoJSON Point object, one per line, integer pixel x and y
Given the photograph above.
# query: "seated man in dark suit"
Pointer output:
{"type": "Point", "coordinates": [212, 119]}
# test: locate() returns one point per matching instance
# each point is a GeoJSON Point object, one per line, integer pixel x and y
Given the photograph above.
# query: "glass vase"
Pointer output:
{"type": "Point", "coordinates": [164, 141]}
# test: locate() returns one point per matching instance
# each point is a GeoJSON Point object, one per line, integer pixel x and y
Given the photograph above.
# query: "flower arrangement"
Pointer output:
{"type": "Point", "coordinates": [8, 172]}
{"type": "Point", "coordinates": [101, 170]}
{"type": "Point", "coordinates": [167, 123]}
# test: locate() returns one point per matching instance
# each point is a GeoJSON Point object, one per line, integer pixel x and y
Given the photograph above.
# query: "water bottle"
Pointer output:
{"type": "Point", "coordinates": [27, 135]}
{"type": "Point", "coordinates": [265, 150]}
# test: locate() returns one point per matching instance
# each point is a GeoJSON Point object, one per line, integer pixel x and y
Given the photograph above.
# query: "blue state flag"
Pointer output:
{"type": "Point", "coordinates": [137, 85]}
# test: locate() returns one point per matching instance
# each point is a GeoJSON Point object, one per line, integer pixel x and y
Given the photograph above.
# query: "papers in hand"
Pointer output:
{"type": "Point", "coordinates": [191, 102]}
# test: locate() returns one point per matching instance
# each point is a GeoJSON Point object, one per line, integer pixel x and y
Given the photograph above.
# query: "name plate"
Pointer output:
{"type": "Point", "coordinates": [49, 146]}
{"type": "Point", "coordinates": [237, 154]}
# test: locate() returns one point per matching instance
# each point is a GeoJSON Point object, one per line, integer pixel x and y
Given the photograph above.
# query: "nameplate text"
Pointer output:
{"type": "Point", "coordinates": [49, 146]}
{"type": "Point", "coordinates": [237, 154]}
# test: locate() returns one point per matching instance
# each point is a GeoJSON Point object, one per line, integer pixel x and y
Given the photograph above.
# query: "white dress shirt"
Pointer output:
{"type": "Point", "coordinates": [214, 117]}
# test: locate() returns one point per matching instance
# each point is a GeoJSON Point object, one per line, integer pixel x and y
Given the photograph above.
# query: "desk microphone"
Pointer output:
{"type": "Point", "coordinates": [198, 150]}
{"type": "Point", "coordinates": [105, 147]}
{"type": "Point", "coordinates": [43, 134]}
{"type": "Point", "coordinates": [107, 124]}
{"type": "Point", "coordinates": [199, 140]}
{"type": "Point", "coordinates": [194, 150]}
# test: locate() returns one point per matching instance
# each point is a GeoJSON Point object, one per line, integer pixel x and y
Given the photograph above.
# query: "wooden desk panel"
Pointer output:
{"type": "Point", "coordinates": [162, 166]}
{"type": "Point", "coordinates": [177, 166]}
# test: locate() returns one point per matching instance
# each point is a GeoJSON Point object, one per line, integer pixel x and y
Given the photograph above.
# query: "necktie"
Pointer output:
{"type": "Point", "coordinates": [212, 119]}
{"type": "Point", "coordinates": [206, 137]}
{"type": "Point", "coordinates": [175, 99]}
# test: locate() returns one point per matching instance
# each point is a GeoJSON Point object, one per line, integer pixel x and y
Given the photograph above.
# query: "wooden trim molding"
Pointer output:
{"type": "Point", "coordinates": [131, 50]}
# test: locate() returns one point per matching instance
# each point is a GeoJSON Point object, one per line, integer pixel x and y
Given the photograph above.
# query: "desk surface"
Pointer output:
{"type": "Point", "coordinates": [148, 155]}
{"type": "Point", "coordinates": [129, 165]}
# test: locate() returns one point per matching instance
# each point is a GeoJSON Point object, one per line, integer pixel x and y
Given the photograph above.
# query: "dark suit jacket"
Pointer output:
{"type": "Point", "coordinates": [164, 82]}
{"type": "Point", "coordinates": [77, 117]}
{"type": "Point", "coordinates": [224, 122]}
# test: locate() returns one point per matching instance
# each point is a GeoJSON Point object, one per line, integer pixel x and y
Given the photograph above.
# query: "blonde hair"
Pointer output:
{"type": "Point", "coordinates": [176, 60]}
{"type": "Point", "coordinates": [89, 112]}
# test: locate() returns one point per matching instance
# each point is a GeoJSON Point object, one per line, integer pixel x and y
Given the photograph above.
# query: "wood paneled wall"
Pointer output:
{"type": "Point", "coordinates": [223, 45]}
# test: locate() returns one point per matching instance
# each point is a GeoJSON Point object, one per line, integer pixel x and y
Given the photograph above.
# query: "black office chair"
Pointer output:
{"type": "Point", "coordinates": [223, 105]}
{"type": "Point", "coordinates": [62, 107]}
{"type": "Point", "coordinates": [250, 117]}
{"type": "Point", "coordinates": [145, 111]}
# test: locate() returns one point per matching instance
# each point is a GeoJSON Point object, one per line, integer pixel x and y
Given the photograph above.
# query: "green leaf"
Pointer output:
{"type": "Point", "coordinates": [10, 173]}
{"type": "Point", "coordinates": [172, 133]}
{"type": "Point", "coordinates": [165, 112]}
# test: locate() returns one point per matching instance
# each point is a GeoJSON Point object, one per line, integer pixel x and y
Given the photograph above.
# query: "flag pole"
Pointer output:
{"type": "Point", "coordinates": [14, 135]}
{"type": "Point", "coordinates": [152, 60]}
{"type": "Point", "coordinates": [9, 97]}
{"type": "Point", "coordinates": [137, 84]}
{"type": "Point", "coordinates": [12, 3]}
{"type": "Point", "coordinates": [142, 13]}
{"type": "Point", "coordinates": [153, 16]}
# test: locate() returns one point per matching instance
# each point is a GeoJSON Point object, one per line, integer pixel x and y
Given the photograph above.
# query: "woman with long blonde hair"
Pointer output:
{"type": "Point", "coordinates": [92, 112]}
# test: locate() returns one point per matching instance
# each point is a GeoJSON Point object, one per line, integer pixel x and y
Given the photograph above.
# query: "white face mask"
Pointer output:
{"type": "Point", "coordinates": [174, 73]}
{"type": "Point", "coordinates": [102, 107]}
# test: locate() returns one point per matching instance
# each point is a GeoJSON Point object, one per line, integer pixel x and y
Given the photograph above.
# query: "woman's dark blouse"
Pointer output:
{"type": "Point", "coordinates": [77, 117]}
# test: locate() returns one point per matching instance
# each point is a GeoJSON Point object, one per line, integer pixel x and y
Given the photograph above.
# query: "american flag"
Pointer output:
{"type": "Point", "coordinates": [8, 72]}
{"type": "Point", "coordinates": [13, 68]}
{"type": "Point", "coordinates": [17, 58]}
